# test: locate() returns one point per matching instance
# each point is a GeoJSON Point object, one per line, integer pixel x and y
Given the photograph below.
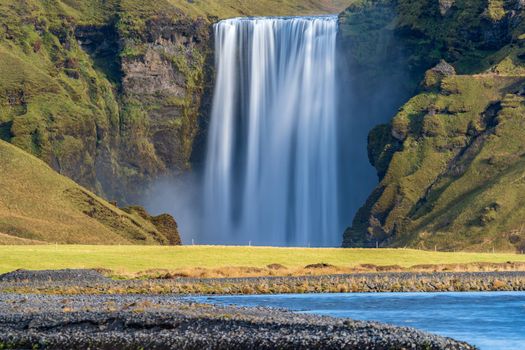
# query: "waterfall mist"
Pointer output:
{"type": "Point", "coordinates": [286, 160]}
{"type": "Point", "coordinates": [271, 172]}
{"type": "Point", "coordinates": [374, 81]}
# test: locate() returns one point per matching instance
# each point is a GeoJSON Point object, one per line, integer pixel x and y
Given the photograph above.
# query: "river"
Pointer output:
{"type": "Point", "coordinates": [491, 321]}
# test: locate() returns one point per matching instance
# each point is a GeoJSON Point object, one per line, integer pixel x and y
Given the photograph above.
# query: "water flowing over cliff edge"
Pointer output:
{"type": "Point", "coordinates": [271, 173]}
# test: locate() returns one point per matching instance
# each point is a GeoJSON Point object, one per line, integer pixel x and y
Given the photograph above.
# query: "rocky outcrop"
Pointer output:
{"type": "Point", "coordinates": [165, 224]}
{"type": "Point", "coordinates": [449, 162]}
{"type": "Point", "coordinates": [445, 5]}
{"type": "Point", "coordinates": [434, 76]}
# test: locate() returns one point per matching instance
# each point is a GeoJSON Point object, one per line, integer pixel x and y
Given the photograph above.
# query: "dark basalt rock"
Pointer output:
{"type": "Point", "coordinates": [164, 223]}
{"type": "Point", "coordinates": [164, 89]}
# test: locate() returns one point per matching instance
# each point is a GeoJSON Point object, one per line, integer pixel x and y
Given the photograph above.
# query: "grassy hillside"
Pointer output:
{"type": "Point", "coordinates": [451, 162]}
{"type": "Point", "coordinates": [38, 205]}
{"type": "Point", "coordinates": [96, 11]}
{"type": "Point", "coordinates": [131, 259]}
{"type": "Point", "coordinates": [231, 8]}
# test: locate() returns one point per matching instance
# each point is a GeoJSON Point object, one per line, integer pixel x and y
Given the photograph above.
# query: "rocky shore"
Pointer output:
{"type": "Point", "coordinates": [167, 322]}
{"type": "Point", "coordinates": [84, 309]}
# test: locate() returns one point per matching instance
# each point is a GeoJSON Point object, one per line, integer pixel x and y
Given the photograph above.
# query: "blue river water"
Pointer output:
{"type": "Point", "coordinates": [491, 321]}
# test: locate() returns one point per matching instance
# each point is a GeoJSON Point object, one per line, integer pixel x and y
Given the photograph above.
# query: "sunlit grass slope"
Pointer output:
{"type": "Point", "coordinates": [100, 11]}
{"type": "Point", "coordinates": [39, 205]}
{"type": "Point", "coordinates": [94, 11]}
{"type": "Point", "coordinates": [230, 8]}
{"type": "Point", "coordinates": [129, 259]}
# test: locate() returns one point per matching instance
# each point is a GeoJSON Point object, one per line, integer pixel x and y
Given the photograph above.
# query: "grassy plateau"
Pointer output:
{"type": "Point", "coordinates": [218, 261]}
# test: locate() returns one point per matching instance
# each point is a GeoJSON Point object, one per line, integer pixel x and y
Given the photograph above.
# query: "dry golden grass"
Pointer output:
{"type": "Point", "coordinates": [243, 272]}
{"type": "Point", "coordinates": [38, 205]}
{"type": "Point", "coordinates": [11, 240]}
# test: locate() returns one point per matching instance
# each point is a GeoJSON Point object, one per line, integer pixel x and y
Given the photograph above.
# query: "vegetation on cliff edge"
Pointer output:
{"type": "Point", "coordinates": [451, 161]}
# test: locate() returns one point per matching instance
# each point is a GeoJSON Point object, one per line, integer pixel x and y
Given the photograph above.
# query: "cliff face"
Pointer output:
{"type": "Point", "coordinates": [53, 102]}
{"type": "Point", "coordinates": [451, 160]}
{"type": "Point", "coordinates": [113, 93]}
{"type": "Point", "coordinates": [111, 103]}
{"type": "Point", "coordinates": [163, 88]}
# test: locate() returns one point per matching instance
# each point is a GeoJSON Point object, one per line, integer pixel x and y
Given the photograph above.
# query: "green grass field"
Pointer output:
{"type": "Point", "coordinates": [130, 259]}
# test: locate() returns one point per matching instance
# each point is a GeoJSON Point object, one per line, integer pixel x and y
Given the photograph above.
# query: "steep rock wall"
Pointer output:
{"type": "Point", "coordinates": [163, 86]}
{"type": "Point", "coordinates": [449, 163]}
{"type": "Point", "coordinates": [110, 101]}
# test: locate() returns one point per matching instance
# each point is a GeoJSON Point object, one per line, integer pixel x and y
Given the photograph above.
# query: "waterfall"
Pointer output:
{"type": "Point", "coordinates": [271, 172]}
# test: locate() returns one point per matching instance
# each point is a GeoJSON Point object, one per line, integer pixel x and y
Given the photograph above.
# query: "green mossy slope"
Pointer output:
{"type": "Point", "coordinates": [451, 161]}
{"type": "Point", "coordinates": [53, 102]}
{"type": "Point", "coordinates": [37, 205]}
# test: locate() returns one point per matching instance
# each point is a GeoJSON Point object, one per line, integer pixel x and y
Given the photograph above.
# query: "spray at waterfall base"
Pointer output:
{"type": "Point", "coordinates": [271, 173]}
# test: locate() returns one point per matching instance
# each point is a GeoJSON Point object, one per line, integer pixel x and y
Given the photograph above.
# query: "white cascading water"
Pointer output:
{"type": "Point", "coordinates": [271, 173]}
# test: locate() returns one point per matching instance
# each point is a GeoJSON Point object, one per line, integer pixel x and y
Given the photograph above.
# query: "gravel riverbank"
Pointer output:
{"type": "Point", "coordinates": [167, 322]}
{"type": "Point", "coordinates": [83, 309]}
